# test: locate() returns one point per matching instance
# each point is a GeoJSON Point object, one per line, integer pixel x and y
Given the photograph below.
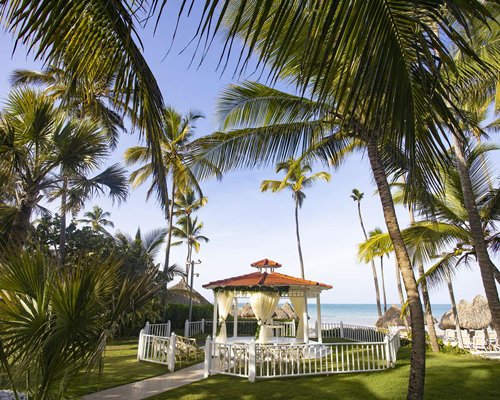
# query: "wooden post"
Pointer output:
{"type": "Point", "coordinates": [341, 329]}
{"type": "Point", "coordinates": [169, 328]}
{"type": "Point", "coordinates": [235, 318]}
{"type": "Point", "coordinates": [318, 319]}
{"type": "Point", "coordinates": [387, 351]}
{"type": "Point", "coordinates": [171, 352]}
{"type": "Point", "coordinates": [203, 325]}
{"type": "Point", "coordinates": [208, 356]}
{"type": "Point", "coordinates": [252, 367]}
{"type": "Point", "coordinates": [146, 328]}
{"type": "Point", "coordinates": [140, 345]}
{"type": "Point", "coordinates": [186, 328]}
{"type": "Point", "coordinates": [214, 318]}
{"type": "Point", "coordinates": [306, 327]}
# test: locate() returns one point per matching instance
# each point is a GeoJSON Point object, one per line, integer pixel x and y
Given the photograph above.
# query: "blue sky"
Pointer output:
{"type": "Point", "coordinates": [243, 224]}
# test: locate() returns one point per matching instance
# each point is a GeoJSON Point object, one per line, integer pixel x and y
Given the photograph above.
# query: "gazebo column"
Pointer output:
{"type": "Point", "coordinates": [306, 319]}
{"type": "Point", "coordinates": [214, 317]}
{"type": "Point", "coordinates": [318, 318]}
{"type": "Point", "coordinates": [235, 318]}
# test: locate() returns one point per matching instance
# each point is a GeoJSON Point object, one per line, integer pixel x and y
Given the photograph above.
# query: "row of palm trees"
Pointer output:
{"type": "Point", "coordinates": [386, 78]}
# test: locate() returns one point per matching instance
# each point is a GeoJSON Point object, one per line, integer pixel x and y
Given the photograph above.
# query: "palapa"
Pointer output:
{"type": "Point", "coordinates": [475, 315]}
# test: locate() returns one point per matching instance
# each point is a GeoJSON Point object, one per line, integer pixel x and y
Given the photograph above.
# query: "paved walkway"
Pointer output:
{"type": "Point", "coordinates": [150, 387]}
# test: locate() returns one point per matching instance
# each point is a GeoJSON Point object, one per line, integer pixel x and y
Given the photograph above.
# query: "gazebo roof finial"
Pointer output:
{"type": "Point", "coordinates": [265, 264]}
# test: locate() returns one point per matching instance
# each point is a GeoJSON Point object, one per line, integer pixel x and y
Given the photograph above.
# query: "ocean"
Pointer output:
{"type": "Point", "coordinates": [359, 314]}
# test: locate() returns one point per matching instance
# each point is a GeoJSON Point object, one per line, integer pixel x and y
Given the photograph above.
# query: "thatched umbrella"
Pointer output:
{"type": "Point", "coordinates": [392, 317]}
{"type": "Point", "coordinates": [470, 316]}
{"type": "Point", "coordinates": [246, 311]}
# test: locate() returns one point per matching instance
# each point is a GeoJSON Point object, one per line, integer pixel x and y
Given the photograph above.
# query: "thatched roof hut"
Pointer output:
{"type": "Point", "coordinates": [180, 293]}
{"type": "Point", "coordinates": [475, 315]}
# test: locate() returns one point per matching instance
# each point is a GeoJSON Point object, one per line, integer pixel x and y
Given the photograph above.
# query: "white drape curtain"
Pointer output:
{"type": "Point", "coordinates": [299, 306]}
{"type": "Point", "coordinates": [224, 303]}
{"type": "Point", "coordinates": [263, 305]}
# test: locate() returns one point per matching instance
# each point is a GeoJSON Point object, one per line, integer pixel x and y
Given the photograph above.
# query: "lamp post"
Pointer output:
{"type": "Point", "coordinates": [191, 263]}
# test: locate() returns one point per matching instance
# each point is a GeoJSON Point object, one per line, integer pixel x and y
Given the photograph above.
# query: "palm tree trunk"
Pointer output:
{"type": "Point", "coordinates": [425, 297]}
{"type": "Point", "coordinates": [170, 225]}
{"type": "Point", "coordinates": [485, 265]}
{"type": "Point", "coordinates": [374, 269]}
{"type": "Point", "coordinates": [298, 239]}
{"type": "Point", "coordinates": [431, 329]}
{"type": "Point", "coordinates": [62, 233]}
{"type": "Point", "coordinates": [454, 308]}
{"type": "Point", "coordinates": [383, 282]}
{"type": "Point", "coordinates": [401, 295]}
{"type": "Point", "coordinates": [496, 274]}
{"type": "Point", "coordinates": [417, 358]}
{"type": "Point", "coordinates": [21, 224]}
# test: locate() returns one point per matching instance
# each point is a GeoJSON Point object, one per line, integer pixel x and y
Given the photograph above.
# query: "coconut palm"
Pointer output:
{"type": "Point", "coordinates": [380, 253]}
{"type": "Point", "coordinates": [54, 323]}
{"type": "Point", "coordinates": [38, 142]}
{"type": "Point", "coordinates": [187, 203]}
{"type": "Point", "coordinates": [295, 180]}
{"type": "Point", "coordinates": [188, 231]}
{"type": "Point", "coordinates": [357, 196]}
{"type": "Point", "coordinates": [98, 220]}
{"type": "Point", "coordinates": [177, 147]}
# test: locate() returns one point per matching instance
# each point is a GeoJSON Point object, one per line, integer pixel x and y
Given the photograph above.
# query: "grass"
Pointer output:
{"type": "Point", "coordinates": [120, 367]}
{"type": "Point", "coordinates": [448, 376]}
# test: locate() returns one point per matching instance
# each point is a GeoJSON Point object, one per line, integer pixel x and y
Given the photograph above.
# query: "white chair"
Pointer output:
{"type": "Point", "coordinates": [449, 335]}
{"type": "Point", "coordinates": [479, 342]}
{"type": "Point", "coordinates": [493, 340]}
{"type": "Point", "coordinates": [466, 340]}
{"type": "Point", "coordinates": [479, 334]}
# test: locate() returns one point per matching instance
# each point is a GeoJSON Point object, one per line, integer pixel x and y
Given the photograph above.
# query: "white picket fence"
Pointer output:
{"type": "Point", "coordinates": [163, 329]}
{"type": "Point", "coordinates": [157, 349]}
{"type": "Point", "coordinates": [259, 361]}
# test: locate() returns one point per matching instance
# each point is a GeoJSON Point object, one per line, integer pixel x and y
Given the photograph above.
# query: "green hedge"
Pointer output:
{"type": "Point", "coordinates": [178, 313]}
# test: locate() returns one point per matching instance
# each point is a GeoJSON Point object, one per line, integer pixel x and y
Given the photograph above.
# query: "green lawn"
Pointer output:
{"type": "Point", "coordinates": [448, 376]}
{"type": "Point", "coordinates": [120, 367]}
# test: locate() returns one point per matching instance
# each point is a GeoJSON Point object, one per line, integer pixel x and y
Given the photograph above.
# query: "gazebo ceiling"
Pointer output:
{"type": "Point", "coordinates": [265, 279]}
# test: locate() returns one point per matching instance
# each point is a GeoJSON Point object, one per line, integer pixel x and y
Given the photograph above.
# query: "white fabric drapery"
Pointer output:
{"type": "Point", "coordinates": [299, 306]}
{"type": "Point", "coordinates": [263, 305]}
{"type": "Point", "coordinates": [224, 303]}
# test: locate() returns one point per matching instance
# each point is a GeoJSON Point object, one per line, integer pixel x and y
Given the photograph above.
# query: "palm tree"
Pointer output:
{"type": "Point", "coordinates": [39, 141]}
{"type": "Point", "coordinates": [375, 58]}
{"type": "Point", "coordinates": [187, 203]}
{"type": "Point", "coordinates": [177, 149]}
{"type": "Point", "coordinates": [97, 219]}
{"type": "Point", "coordinates": [380, 253]}
{"type": "Point", "coordinates": [296, 181]}
{"type": "Point", "coordinates": [81, 98]}
{"type": "Point", "coordinates": [54, 324]}
{"type": "Point", "coordinates": [357, 196]}
{"type": "Point", "coordinates": [188, 231]}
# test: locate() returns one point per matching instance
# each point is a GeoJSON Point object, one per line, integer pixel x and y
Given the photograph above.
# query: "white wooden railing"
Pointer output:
{"type": "Point", "coordinates": [157, 349]}
{"type": "Point", "coordinates": [245, 328]}
{"type": "Point", "coordinates": [163, 329]}
{"type": "Point", "coordinates": [358, 333]}
{"type": "Point", "coordinates": [258, 361]}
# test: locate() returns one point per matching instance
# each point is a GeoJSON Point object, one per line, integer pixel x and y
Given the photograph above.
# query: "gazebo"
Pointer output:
{"type": "Point", "coordinates": [264, 288]}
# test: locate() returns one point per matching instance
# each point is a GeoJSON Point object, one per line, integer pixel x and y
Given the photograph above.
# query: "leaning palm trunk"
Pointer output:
{"type": "Point", "coordinates": [485, 264]}
{"type": "Point", "coordinates": [417, 358]}
{"type": "Point", "coordinates": [428, 310]}
{"type": "Point", "coordinates": [170, 217]}
{"type": "Point", "coordinates": [298, 239]}
{"type": "Point", "coordinates": [21, 224]}
{"type": "Point", "coordinates": [425, 297]}
{"type": "Point", "coordinates": [383, 282]}
{"type": "Point", "coordinates": [454, 307]}
{"type": "Point", "coordinates": [401, 296]}
{"type": "Point", "coordinates": [374, 269]}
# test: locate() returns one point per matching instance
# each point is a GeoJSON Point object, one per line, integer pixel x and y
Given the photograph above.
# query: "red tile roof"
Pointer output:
{"type": "Point", "coordinates": [264, 279]}
{"type": "Point", "coordinates": [265, 263]}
